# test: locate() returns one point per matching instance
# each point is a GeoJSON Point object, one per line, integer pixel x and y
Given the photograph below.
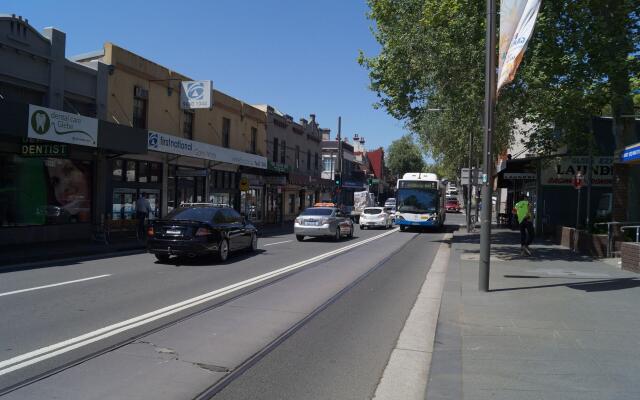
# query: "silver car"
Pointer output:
{"type": "Point", "coordinates": [322, 222]}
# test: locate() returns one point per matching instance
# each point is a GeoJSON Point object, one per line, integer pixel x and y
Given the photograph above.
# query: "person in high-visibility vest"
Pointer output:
{"type": "Point", "coordinates": [522, 210]}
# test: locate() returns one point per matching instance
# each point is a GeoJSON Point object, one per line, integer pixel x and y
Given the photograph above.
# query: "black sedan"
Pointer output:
{"type": "Point", "coordinates": [201, 230]}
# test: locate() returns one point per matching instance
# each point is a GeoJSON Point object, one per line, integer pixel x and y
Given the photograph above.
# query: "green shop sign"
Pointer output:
{"type": "Point", "coordinates": [62, 127]}
{"type": "Point", "coordinates": [278, 167]}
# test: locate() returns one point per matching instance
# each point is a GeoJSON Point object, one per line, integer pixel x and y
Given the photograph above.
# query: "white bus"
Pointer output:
{"type": "Point", "coordinates": [420, 199]}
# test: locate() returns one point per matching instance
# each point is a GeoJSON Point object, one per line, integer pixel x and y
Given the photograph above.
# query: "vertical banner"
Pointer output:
{"type": "Point", "coordinates": [517, 20]}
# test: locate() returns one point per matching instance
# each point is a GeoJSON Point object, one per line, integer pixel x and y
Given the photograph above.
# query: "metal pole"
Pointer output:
{"type": "Point", "coordinates": [487, 157]}
{"type": "Point", "coordinates": [469, 181]}
{"type": "Point", "coordinates": [590, 176]}
{"type": "Point", "coordinates": [578, 212]}
{"type": "Point", "coordinates": [339, 161]}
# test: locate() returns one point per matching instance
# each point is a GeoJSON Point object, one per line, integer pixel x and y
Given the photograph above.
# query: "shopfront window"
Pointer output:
{"type": "Point", "coordinates": [155, 172]}
{"type": "Point", "coordinates": [251, 204]}
{"type": "Point", "coordinates": [118, 165]}
{"type": "Point", "coordinates": [292, 203]}
{"type": "Point", "coordinates": [131, 171]}
{"type": "Point", "coordinates": [143, 172]}
{"type": "Point", "coordinates": [43, 191]}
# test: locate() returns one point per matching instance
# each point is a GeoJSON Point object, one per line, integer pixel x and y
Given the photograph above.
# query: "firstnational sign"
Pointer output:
{"type": "Point", "coordinates": [196, 94]}
{"type": "Point", "coordinates": [164, 143]}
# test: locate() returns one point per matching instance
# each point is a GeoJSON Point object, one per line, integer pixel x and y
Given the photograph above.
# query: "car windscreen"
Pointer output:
{"type": "Point", "coordinates": [417, 200]}
{"type": "Point", "coordinates": [202, 214]}
{"type": "Point", "coordinates": [372, 211]}
{"type": "Point", "coordinates": [317, 211]}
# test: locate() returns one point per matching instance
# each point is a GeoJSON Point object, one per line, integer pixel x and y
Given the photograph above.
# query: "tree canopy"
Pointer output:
{"type": "Point", "coordinates": [430, 72]}
{"type": "Point", "coordinates": [403, 156]}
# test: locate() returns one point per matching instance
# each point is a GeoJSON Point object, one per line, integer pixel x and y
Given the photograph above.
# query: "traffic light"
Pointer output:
{"type": "Point", "coordinates": [370, 181]}
{"type": "Point", "coordinates": [338, 180]}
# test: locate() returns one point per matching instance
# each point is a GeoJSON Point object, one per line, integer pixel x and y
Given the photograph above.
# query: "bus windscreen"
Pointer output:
{"type": "Point", "coordinates": [417, 200]}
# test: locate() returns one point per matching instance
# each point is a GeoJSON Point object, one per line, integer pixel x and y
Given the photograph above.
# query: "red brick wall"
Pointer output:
{"type": "Point", "coordinates": [631, 256]}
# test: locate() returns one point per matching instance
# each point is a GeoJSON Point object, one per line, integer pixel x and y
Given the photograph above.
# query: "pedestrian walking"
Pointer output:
{"type": "Point", "coordinates": [522, 210]}
{"type": "Point", "coordinates": [143, 208]}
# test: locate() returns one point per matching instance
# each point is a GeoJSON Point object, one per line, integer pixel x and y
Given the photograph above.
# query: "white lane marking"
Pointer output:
{"type": "Point", "coordinates": [53, 285]}
{"type": "Point", "coordinates": [271, 244]}
{"type": "Point", "coordinates": [44, 353]}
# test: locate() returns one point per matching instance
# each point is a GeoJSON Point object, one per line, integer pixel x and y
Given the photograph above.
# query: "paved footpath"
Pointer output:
{"type": "Point", "coordinates": [554, 326]}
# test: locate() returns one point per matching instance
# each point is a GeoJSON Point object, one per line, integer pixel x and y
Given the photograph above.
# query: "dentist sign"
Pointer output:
{"type": "Point", "coordinates": [59, 126]}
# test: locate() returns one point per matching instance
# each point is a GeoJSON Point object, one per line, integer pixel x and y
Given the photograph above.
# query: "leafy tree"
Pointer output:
{"type": "Point", "coordinates": [403, 156]}
{"type": "Point", "coordinates": [430, 72]}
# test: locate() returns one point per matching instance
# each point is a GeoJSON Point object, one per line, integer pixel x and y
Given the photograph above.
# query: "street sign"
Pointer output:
{"type": "Point", "coordinates": [244, 184]}
{"type": "Point", "coordinates": [476, 177]}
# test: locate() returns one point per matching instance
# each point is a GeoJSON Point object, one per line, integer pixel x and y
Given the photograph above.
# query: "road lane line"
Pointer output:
{"type": "Point", "coordinates": [44, 353]}
{"type": "Point", "coordinates": [53, 285]}
{"type": "Point", "coordinates": [271, 244]}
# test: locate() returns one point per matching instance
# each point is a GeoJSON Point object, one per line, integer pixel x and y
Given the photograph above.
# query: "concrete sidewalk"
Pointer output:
{"type": "Point", "coordinates": [554, 326]}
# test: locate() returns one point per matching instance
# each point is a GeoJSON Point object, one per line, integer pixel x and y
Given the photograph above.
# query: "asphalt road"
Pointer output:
{"type": "Point", "coordinates": [44, 325]}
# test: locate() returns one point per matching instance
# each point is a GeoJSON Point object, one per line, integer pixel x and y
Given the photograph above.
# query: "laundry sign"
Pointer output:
{"type": "Point", "coordinates": [561, 171]}
{"type": "Point", "coordinates": [59, 126]}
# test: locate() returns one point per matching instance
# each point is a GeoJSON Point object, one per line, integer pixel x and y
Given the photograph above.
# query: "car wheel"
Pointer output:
{"type": "Point", "coordinates": [254, 242]}
{"type": "Point", "coordinates": [338, 236]}
{"type": "Point", "coordinates": [363, 227]}
{"type": "Point", "coordinates": [300, 238]}
{"type": "Point", "coordinates": [223, 250]}
{"type": "Point", "coordinates": [162, 257]}
{"type": "Point", "coordinates": [403, 228]}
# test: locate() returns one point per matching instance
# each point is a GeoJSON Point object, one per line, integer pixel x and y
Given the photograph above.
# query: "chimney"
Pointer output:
{"type": "Point", "coordinates": [326, 134]}
{"type": "Point", "coordinates": [303, 122]}
{"type": "Point", "coordinates": [355, 137]}
{"type": "Point", "coordinates": [313, 118]}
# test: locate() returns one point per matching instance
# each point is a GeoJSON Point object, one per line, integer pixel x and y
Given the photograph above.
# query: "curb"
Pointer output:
{"type": "Point", "coordinates": [405, 376]}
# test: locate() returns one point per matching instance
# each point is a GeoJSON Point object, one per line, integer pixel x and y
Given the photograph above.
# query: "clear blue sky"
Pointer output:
{"type": "Point", "coordinates": [297, 55]}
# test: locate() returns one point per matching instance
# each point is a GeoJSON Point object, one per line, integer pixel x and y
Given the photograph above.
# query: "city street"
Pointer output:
{"type": "Point", "coordinates": [319, 312]}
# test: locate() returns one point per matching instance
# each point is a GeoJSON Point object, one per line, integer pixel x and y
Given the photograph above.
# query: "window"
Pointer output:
{"type": "Point", "coordinates": [308, 160]}
{"type": "Point", "coordinates": [275, 150]}
{"type": "Point", "coordinates": [283, 154]}
{"type": "Point", "coordinates": [44, 191]}
{"type": "Point", "coordinates": [254, 140]}
{"type": "Point", "coordinates": [140, 97]}
{"type": "Point", "coordinates": [297, 157]}
{"type": "Point", "coordinates": [131, 171]}
{"type": "Point", "coordinates": [187, 126]}
{"type": "Point", "coordinates": [226, 131]}
{"type": "Point", "coordinates": [117, 170]}
{"type": "Point", "coordinates": [328, 164]}
{"type": "Point", "coordinates": [143, 172]}
{"type": "Point", "coordinates": [155, 172]}
{"type": "Point", "coordinates": [315, 163]}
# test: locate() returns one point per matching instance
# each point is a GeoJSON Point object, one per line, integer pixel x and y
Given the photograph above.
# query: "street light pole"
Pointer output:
{"type": "Point", "coordinates": [468, 199]}
{"type": "Point", "coordinates": [487, 158]}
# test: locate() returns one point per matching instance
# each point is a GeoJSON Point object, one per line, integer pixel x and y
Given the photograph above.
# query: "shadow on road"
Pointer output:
{"type": "Point", "coordinates": [211, 260]}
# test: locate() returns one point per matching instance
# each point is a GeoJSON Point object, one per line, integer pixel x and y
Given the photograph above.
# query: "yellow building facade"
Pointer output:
{"type": "Point", "coordinates": [208, 150]}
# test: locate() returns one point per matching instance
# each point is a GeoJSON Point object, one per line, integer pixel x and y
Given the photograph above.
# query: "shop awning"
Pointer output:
{"type": "Point", "coordinates": [519, 169]}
